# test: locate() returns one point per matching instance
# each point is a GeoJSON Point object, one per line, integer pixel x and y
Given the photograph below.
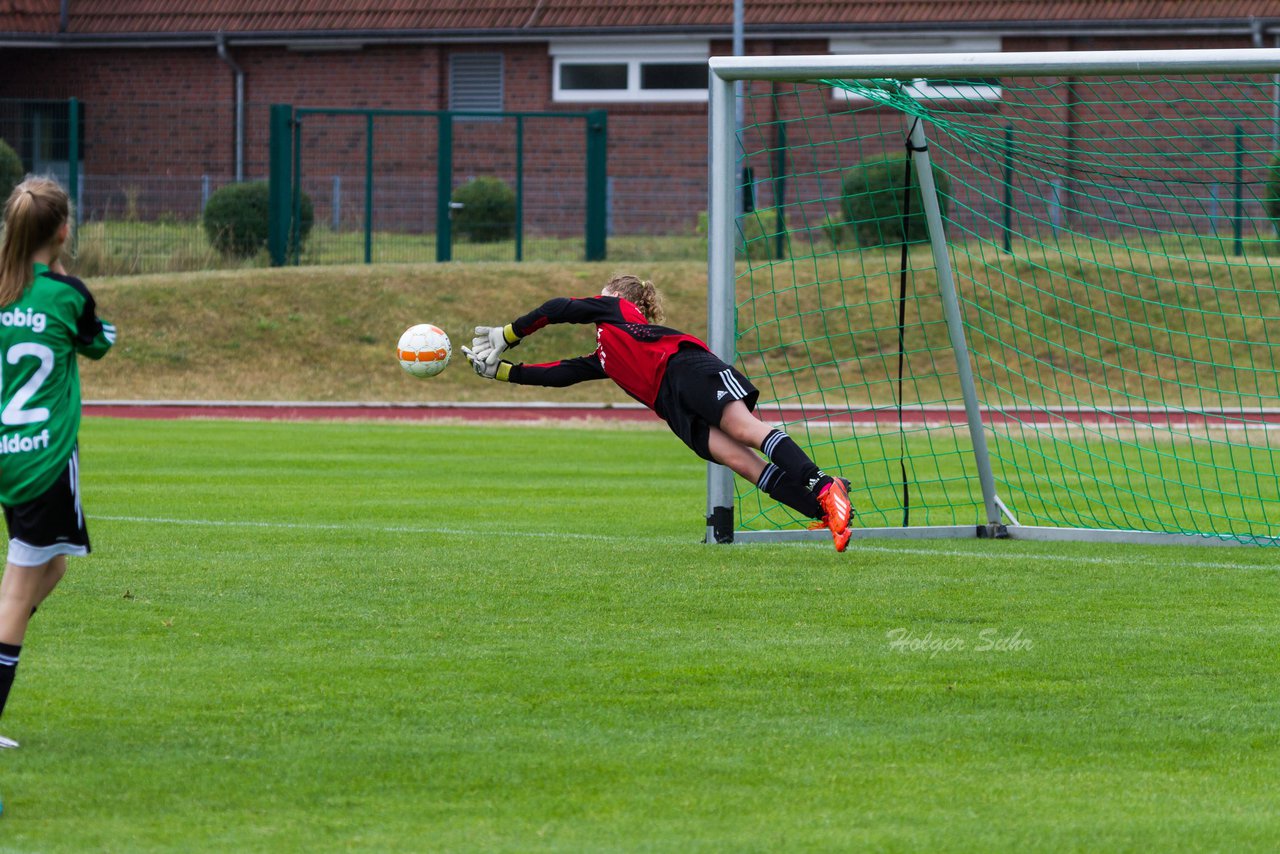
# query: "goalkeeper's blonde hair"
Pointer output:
{"type": "Point", "coordinates": [639, 291]}
{"type": "Point", "coordinates": [34, 212]}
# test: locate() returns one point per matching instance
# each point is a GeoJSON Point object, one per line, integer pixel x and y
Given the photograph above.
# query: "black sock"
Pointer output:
{"type": "Point", "coordinates": [783, 452]}
{"type": "Point", "coordinates": [8, 667]}
{"type": "Point", "coordinates": [785, 489]}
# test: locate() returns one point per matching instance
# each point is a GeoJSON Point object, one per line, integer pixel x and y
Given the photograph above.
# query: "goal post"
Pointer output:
{"type": "Point", "coordinates": [1032, 295]}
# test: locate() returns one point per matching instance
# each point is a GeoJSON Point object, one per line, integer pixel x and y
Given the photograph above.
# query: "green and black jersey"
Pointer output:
{"type": "Point", "coordinates": [40, 335]}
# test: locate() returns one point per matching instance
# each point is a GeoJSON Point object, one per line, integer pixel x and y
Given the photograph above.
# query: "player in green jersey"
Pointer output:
{"type": "Point", "coordinates": [47, 318]}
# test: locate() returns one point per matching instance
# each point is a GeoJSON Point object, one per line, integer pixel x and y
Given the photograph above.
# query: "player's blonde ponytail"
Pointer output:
{"type": "Point", "coordinates": [641, 292]}
{"type": "Point", "coordinates": [36, 209]}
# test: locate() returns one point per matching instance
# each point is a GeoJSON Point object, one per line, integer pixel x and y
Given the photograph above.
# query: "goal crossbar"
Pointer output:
{"type": "Point", "coordinates": [1099, 63]}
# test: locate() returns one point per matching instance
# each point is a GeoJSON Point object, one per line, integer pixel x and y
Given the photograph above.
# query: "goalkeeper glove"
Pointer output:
{"type": "Point", "coordinates": [500, 370]}
{"type": "Point", "coordinates": [491, 341]}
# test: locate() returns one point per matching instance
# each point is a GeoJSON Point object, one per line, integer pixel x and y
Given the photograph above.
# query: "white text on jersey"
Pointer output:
{"type": "Point", "coordinates": [36, 320]}
{"type": "Point", "coordinates": [23, 444]}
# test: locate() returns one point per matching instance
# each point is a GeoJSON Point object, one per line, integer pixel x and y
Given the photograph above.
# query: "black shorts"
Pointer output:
{"type": "Point", "coordinates": [694, 393]}
{"type": "Point", "coordinates": [51, 524]}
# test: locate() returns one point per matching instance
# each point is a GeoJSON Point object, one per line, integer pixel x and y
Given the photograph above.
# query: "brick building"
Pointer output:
{"type": "Point", "coordinates": [175, 96]}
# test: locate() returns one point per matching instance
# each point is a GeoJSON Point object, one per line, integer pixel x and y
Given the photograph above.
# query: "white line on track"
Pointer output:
{"type": "Point", "coordinates": [854, 547]}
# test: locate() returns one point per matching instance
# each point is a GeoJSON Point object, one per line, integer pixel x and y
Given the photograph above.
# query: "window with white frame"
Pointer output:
{"type": "Point", "coordinates": [929, 89]}
{"type": "Point", "coordinates": [629, 70]}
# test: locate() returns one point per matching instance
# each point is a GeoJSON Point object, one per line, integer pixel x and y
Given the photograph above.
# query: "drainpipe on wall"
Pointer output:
{"type": "Point", "coordinates": [1259, 29]}
{"type": "Point", "coordinates": [239, 129]}
{"type": "Point", "coordinates": [64, 14]}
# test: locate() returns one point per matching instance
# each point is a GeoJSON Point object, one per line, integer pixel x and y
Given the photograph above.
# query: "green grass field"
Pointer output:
{"type": "Point", "coordinates": [374, 637]}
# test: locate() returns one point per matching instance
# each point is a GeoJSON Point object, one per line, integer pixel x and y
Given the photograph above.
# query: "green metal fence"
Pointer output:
{"type": "Point", "coordinates": [384, 184]}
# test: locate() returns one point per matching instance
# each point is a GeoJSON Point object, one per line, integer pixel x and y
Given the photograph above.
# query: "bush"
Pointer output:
{"type": "Point", "coordinates": [236, 223]}
{"type": "Point", "coordinates": [760, 233]}
{"type": "Point", "coordinates": [872, 202]}
{"type": "Point", "coordinates": [836, 232]}
{"type": "Point", "coordinates": [11, 171]}
{"type": "Point", "coordinates": [488, 212]}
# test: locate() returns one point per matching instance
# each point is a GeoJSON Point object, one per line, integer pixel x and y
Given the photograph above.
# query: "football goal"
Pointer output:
{"type": "Point", "coordinates": [1027, 295]}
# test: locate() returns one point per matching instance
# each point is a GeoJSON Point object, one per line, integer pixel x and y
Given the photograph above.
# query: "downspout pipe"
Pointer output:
{"type": "Point", "coordinates": [225, 56]}
{"type": "Point", "coordinates": [1258, 27]}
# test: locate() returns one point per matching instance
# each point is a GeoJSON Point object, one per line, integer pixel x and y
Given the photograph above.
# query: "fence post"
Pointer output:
{"type": "Point", "coordinates": [279, 183]}
{"type": "Point", "coordinates": [335, 204]}
{"type": "Point", "coordinates": [780, 193]}
{"type": "Point", "coordinates": [368, 189]}
{"type": "Point", "coordinates": [597, 178]}
{"type": "Point", "coordinates": [519, 188]}
{"type": "Point", "coordinates": [73, 149]}
{"type": "Point", "coordinates": [73, 164]}
{"type": "Point", "coordinates": [1007, 218]}
{"type": "Point", "coordinates": [444, 187]}
{"type": "Point", "coordinates": [1237, 218]}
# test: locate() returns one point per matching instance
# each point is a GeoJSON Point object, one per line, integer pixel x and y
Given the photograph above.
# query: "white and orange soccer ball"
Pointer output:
{"type": "Point", "coordinates": [424, 350]}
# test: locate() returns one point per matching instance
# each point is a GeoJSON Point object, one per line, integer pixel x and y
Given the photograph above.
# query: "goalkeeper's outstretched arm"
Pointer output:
{"type": "Point", "coordinates": [565, 372]}
{"type": "Point", "coordinates": [492, 341]}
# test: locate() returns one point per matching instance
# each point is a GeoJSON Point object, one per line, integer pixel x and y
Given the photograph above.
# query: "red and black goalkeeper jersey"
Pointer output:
{"type": "Point", "coordinates": [629, 350]}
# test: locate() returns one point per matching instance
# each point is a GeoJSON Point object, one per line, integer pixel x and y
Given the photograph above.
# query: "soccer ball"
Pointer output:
{"type": "Point", "coordinates": [424, 350]}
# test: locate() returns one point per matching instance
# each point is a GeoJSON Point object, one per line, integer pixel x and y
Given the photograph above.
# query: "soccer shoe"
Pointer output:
{"type": "Point", "coordinates": [841, 540]}
{"type": "Point", "coordinates": [834, 499]}
{"type": "Point", "coordinates": [7, 743]}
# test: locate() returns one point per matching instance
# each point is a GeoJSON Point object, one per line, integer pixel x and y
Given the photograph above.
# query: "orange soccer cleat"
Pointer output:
{"type": "Point", "coordinates": [841, 540]}
{"type": "Point", "coordinates": [834, 499]}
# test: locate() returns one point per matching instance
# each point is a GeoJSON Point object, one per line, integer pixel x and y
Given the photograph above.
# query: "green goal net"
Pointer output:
{"type": "Point", "coordinates": [1007, 294]}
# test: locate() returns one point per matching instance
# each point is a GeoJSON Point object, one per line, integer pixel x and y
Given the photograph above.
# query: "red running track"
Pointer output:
{"type": "Point", "coordinates": [297, 411]}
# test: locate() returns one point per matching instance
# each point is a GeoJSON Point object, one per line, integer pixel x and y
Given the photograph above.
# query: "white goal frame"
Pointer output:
{"type": "Point", "coordinates": [725, 72]}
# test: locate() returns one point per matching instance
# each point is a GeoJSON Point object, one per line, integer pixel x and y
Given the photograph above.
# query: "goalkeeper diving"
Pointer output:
{"type": "Point", "coordinates": [707, 403]}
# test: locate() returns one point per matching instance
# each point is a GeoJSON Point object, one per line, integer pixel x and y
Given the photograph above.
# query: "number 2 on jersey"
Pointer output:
{"type": "Point", "coordinates": [14, 414]}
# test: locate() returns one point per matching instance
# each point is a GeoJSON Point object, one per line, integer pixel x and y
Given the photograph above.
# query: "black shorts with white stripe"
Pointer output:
{"type": "Point", "coordinates": [51, 524]}
{"type": "Point", "coordinates": [695, 390]}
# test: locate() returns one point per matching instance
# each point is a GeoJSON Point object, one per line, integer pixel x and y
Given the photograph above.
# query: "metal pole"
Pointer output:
{"type": "Point", "coordinates": [1008, 188]}
{"type": "Point", "coordinates": [721, 277]}
{"type": "Point", "coordinates": [1101, 63]}
{"type": "Point", "coordinates": [293, 241]}
{"type": "Point", "coordinates": [368, 190]}
{"type": "Point", "coordinates": [739, 105]}
{"type": "Point", "coordinates": [955, 324]}
{"type": "Point", "coordinates": [238, 72]}
{"type": "Point", "coordinates": [1237, 217]}
{"type": "Point", "coordinates": [780, 191]}
{"type": "Point", "coordinates": [444, 187]}
{"type": "Point", "coordinates": [597, 185]}
{"type": "Point", "coordinates": [519, 188]}
{"type": "Point", "coordinates": [281, 177]}
{"type": "Point", "coordinates": [73, 149]}
{"type": "Point", "coordinates": [73, 162]}
{"type": "Point", "coordinates": [336, 204]}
